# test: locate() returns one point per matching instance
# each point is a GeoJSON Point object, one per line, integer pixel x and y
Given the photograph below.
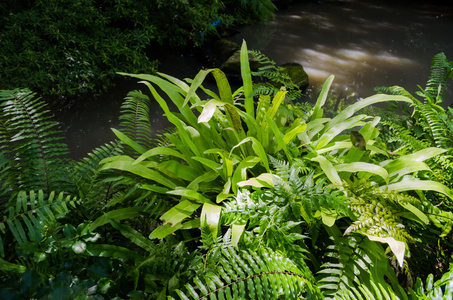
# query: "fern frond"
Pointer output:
{"type": "Point", "coordinates": [440, 289]}
{"type": "Point", "coordinates": [29, 141]}
{"type": "Point", "coordinates": [134, 118]}
{"type": "Point", "coordinates": [275, 77]}
{"type": "Point", "coordinates": [437, 82]}
{"type": "Point", "coordinates": [432, 124]}
{"type": "Point", "coordinates": [378, 212]}
{"type": "Point", "coordinates": [398, 137]}
{"type": "Point", "coordinates": [32, 215]}
{"type": "Point", "coordinates": [262, 274]}
{"type": "Point", "coordinates": [355, 261]}
{"type": "Point", "coordinates": [86, 171]}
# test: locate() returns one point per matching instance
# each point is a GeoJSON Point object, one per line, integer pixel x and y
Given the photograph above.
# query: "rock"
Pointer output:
{"type": "Point", "coordinates": [297, 74]}
{"type": "Point", "coordinates": [224, 48]}
{"type": "Point", "coordinates": [233, 64]}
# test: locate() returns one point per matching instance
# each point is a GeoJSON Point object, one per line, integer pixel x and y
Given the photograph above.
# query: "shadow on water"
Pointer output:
{"type": "Point", "coordinates": [364, 43]}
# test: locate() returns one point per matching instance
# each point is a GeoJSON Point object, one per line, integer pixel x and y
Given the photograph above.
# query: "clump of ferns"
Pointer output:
{"type": "Point", "coordinates": [227, 272]}
{"type": "Point", "coordinates": [272, 75]}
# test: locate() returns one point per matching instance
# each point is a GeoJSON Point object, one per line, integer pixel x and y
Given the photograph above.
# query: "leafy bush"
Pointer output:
{"type": "Point", "coordinates": [74, 46]}
{"type": "Point", "coordinates": [240, 201]}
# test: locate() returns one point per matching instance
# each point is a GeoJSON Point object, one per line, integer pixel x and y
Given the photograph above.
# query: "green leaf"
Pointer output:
{"type": "Point", "coordinates": [328, 169]}
{"type": "Point", "coordinates": [138, 169]}
{"type": "Point", "coordinates": [118, 214]}
{"type": "Point", "coordinates": [240, 173]}
{"type": "Point", "coordinates": [179, 212]}
{"type": "Point", "coordinates": [190, 194]}
{"type": "Point", "coordinates": [276, 102]}
{"type": "Point", "coordinates": [197, 81]}
{"type": "Point", "coordinates": [10, 267]}
{"type": "Point", "coordinates": [364, 167]}
{"type": "Point", "coordinates": [352, 109]}
{"type": "Point", "coordinates": [332, 131]}
{"type": "Point", "coordinates": [163, 231]}
{"type": "Point", "coordinates": [414, 184]}
{"type": "Point", "coordinates": [317, 110]}
{"type": "Point", "coordinates": [415, 211]}
{"type": "Point", "coordinates": [107, 250]}
{"type": "Point", "coordinates": [398, 248]}
{"type": "Point", "coordinates": [62, 292]}
{"type": "Point", "coordinates": [159, 151]}
{"type": "Point", "coordinates": [29, 282]}
{"type": "Point", "coordinates": [210, 214]}
{"type": "Point", "coordinates": [247, 80]}
{"type": "Point", "coordinates": [329, 216]}
{"type": "Point", "coordinates": [128, 141]}
{"type": "Point", "coordinates": [178, 170]}
{"type": "Point", "coordinates": [236, 233]}
{"type": "Point", "coordinates": [134, 236]}
{"type": "Point", "coordinates": [257, 148]}
{"type": "Point", "coordinates": [224, 86]}
{"type": "Point", "coordinates": [300, 127]}
{"type": "Point", "coordinates": [279, 139]}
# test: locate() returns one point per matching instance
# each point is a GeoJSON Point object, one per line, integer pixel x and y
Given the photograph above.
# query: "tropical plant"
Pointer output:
{"type": "Point", "coordinates": [239, 200]}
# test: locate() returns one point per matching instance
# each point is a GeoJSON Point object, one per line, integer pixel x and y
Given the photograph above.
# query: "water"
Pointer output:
{"type": "Point", "coordinates": [364, 43]}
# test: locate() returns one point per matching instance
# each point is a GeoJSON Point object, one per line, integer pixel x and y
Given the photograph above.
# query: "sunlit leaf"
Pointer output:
{"type": "Point", "coordinates": [257, 148]}
{"type": "Point", "coordinates": [413, 184]}
{"type": "Point", "coordinates": [209, 110]}
{"type": "Point", "coordinates": [210, 214]}
{"type": "Point", "coordinates": [79, 247]}
{"type": "Point", "coordinates": [398, 248]}
{"type": "Point", "coordinates": [179, 212]}
{"type": "Point", "coordinates": [328, 169]}
{"type": "Point", "coordinates": [236, 233]}
{"type": "Point", "coordinates": [363, 167]}
{"type": "Point", "coordinates": [262, 180]}
{"type": "Point", "coordinates": [317, 110]}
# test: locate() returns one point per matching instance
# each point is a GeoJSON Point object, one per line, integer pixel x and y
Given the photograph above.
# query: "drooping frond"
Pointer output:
{"type": "Point", "coordinates": [29, 140]}
{"type": "Point", "coordinates": [32, 217]}
{"type": "Point", "coordinates": [247, 274]}
{"type": "Point", "coordinates": [378, 212]}
{"type": "Point", "coordinates": [134, 118]}
{"type": "Point", "coordinates": [437, 131]}
{"type": "Point", "coordinates": [355, 261]}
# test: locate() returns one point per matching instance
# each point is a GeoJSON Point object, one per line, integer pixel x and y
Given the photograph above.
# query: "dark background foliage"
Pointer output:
{"type": "Point", "coordinates": [68, 47]}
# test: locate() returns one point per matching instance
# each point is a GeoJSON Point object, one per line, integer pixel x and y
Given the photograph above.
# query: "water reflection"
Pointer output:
{"type": "Point", "coordinates": [363, 43]}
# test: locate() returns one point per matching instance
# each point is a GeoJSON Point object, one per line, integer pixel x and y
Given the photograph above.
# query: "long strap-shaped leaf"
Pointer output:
{"type": "Point", "coordinates": [247, 80]}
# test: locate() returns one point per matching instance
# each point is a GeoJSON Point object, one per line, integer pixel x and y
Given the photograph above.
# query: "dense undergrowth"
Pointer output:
{"type": "Point", "coordinates": [247, 197]}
